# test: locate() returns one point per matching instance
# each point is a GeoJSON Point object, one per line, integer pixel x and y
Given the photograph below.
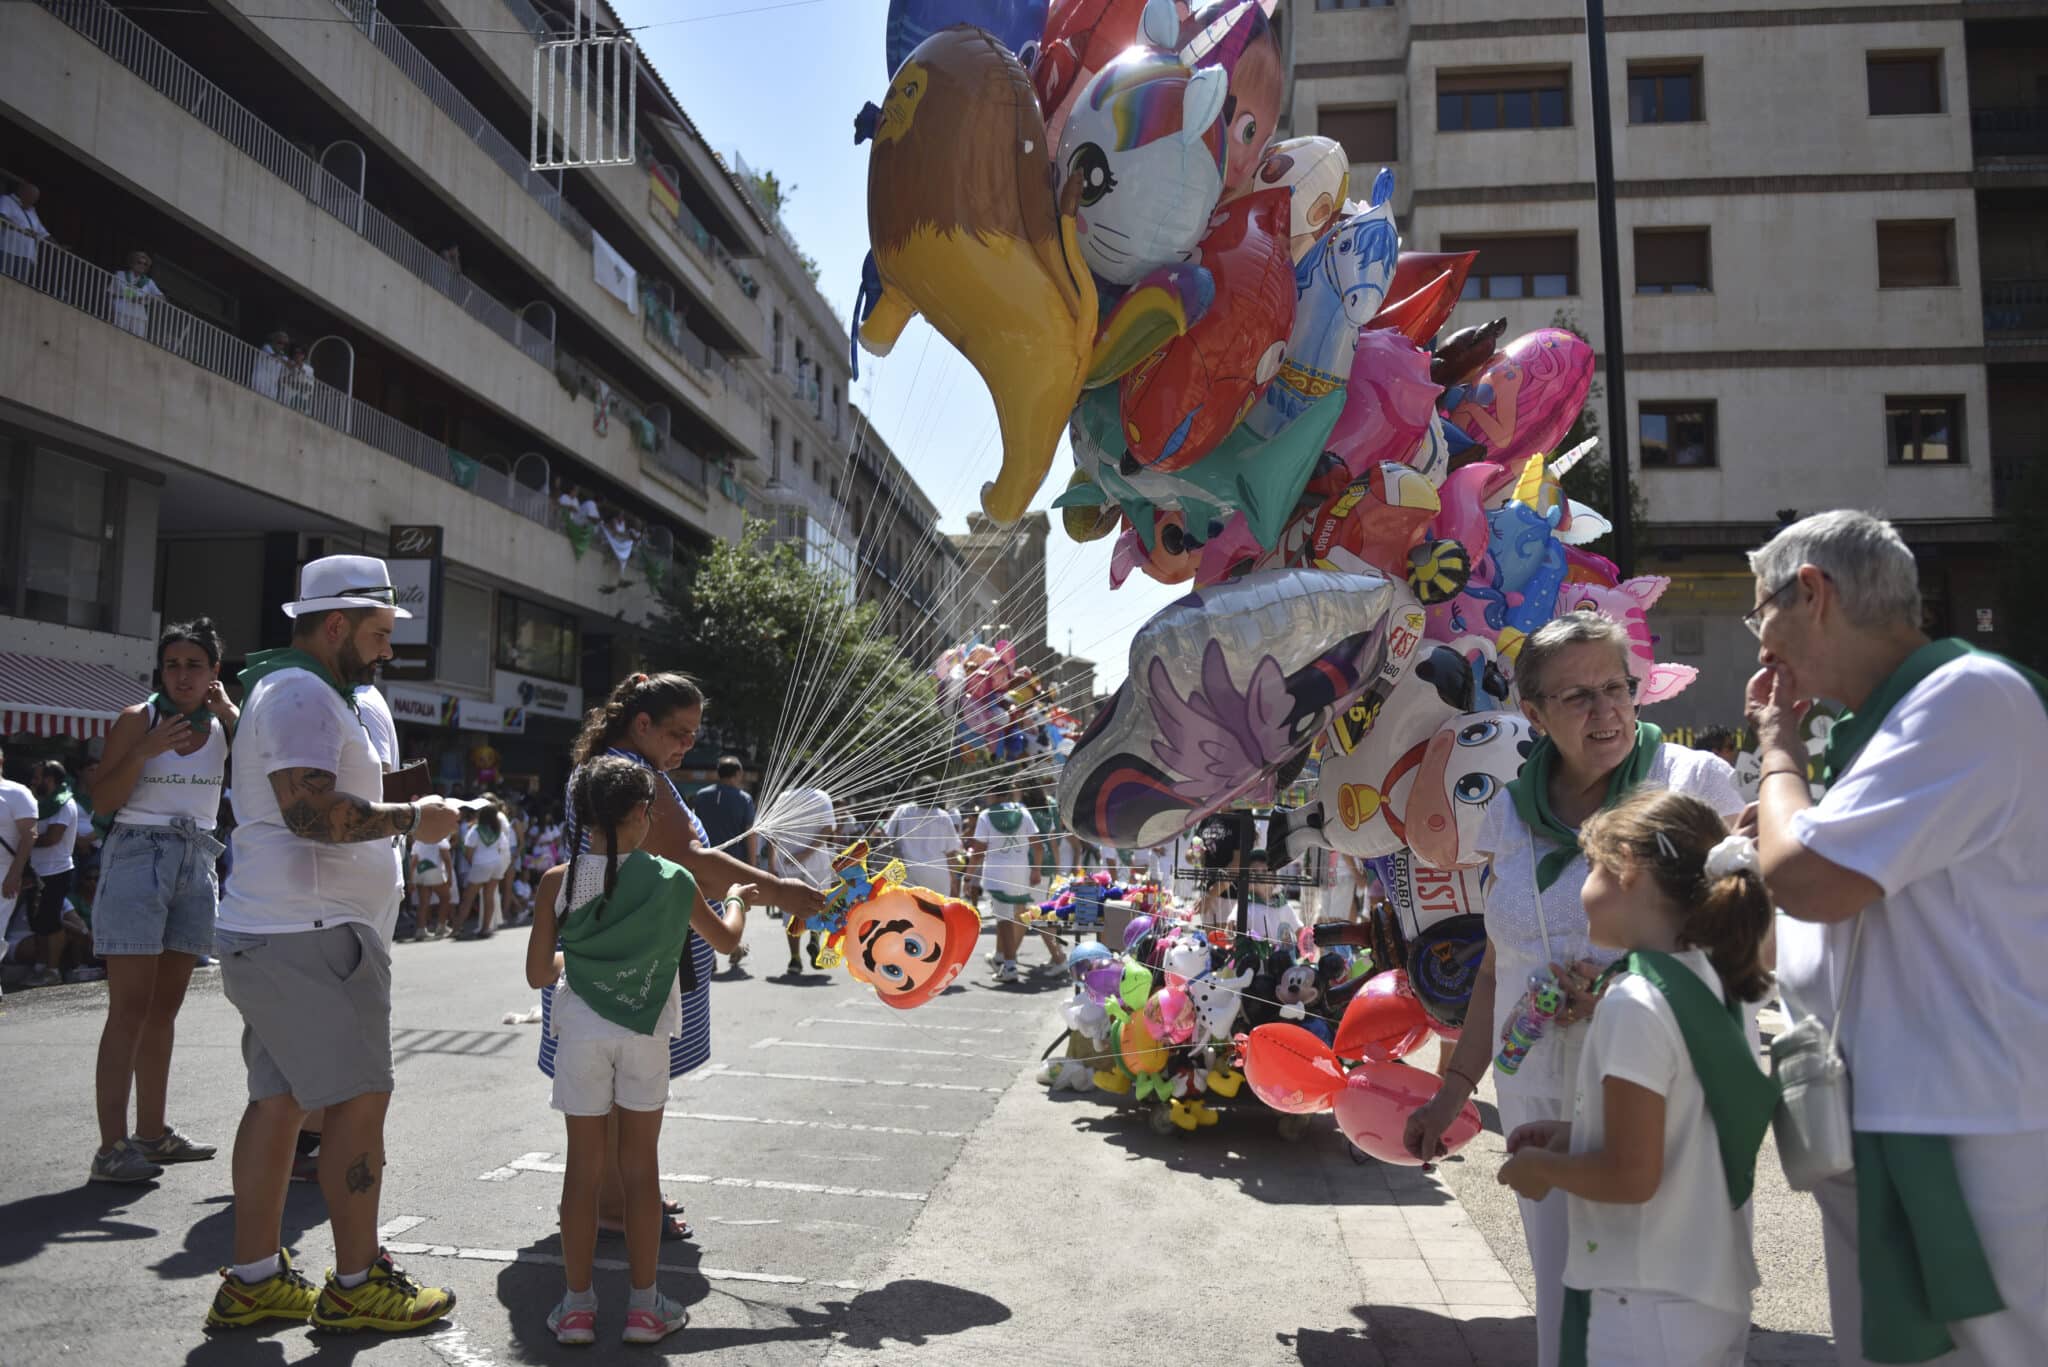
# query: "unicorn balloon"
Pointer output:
{"type": "Point", "coordinates": [1629, 605]}
{"type": "Point", "coordinates": [1338, 287]}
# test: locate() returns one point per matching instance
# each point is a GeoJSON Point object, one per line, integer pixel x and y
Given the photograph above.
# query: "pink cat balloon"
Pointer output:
{"type": "Point", "coordinates": [1525, 399]}
{"type": "Point", "coordinates": [1629, 605]}
{"type": "Point", "coordinates": [1387, 405]}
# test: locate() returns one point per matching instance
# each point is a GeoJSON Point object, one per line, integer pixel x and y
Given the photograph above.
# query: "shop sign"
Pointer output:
{"type": "Point", "coordinates": [415, 562]}
{"type": "Point", "coordinates": [472, 715]}
{"type": "Point", "coordinates": [420, 706]}
{"type": "Point", "coordinates": [540, 697]}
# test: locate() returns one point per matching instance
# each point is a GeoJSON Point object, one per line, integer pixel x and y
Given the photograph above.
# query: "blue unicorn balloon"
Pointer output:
{"type": "Point", "coordinates": [1338, 287]}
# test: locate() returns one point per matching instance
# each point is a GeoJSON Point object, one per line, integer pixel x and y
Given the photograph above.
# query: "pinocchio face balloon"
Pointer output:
{"type": "Point", "coordinates": [909, 944]}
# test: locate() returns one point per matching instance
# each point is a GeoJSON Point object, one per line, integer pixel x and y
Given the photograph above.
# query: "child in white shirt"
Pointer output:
{"type": "Point", "coordinates": [1659, 1157]}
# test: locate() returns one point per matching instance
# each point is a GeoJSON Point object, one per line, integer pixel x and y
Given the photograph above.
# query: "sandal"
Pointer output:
{"type": "Point", "coordinates": [674, 1229]}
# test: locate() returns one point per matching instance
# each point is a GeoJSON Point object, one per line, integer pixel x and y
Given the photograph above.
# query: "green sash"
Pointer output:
{"type": "Point", "coordinates": [1741, 1098]}
{"type": "Point", "coordinates": [621, 952]}
{"type": "Point", "coordinates": [1531, 793]}
{"type": "Point", "coordinates": [199, 718]}
{"type": "Point", "coordinates": [47, 807]}
{"type": "Point", "coordinates": [264, 663]}
{"type": "Point", "coordinates": [1918, 1257]}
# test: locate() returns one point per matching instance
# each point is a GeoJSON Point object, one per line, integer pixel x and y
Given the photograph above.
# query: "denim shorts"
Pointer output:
{"type": "Point", "coordinates": [157, 891]}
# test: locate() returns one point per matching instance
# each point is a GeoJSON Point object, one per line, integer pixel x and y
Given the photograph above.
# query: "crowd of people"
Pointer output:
{"type": "Point", "coordinates": [1892, 915]}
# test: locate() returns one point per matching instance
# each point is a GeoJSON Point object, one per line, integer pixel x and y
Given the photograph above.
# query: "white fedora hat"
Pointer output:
{"type": "Point", "coordinates": [344, 581]}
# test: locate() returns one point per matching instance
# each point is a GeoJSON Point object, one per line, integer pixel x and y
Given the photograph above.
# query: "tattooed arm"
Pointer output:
{"type": "Point", "coordinates": [314, 809]}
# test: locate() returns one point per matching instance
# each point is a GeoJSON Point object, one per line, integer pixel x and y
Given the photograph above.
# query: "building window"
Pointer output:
{"type": "Point", "coordinates": [1672, 261]}
{"type": "Point", "coordinates": [774, 450]}
{"type": "Point", "coordinates": [1664, 92]}
{"type": "Point", "coordinates": [1915, 255]}
{"type": "Point", "coordinates": [464, 656]}
{"type": "Point", "coordinates": [67, 567]}
{"type": "Point", "coordinates": [1677, 435]}
{"type": "Point", "coordinates": [775, 341]}
{"type": "Point", "coordinates": [537, 640]}
{"type": "Point", "coordinates": [1543, 267]}
{"type": "Point", "coordinates": [1367, 134]}
{"type": "Point", "coordinates": [1474, 101]}
{"type": "Point", "coordinates": [1923, 429]}
{"type": "Point", "coordinates": [1905, 84]}
{"type": "Point", "coordinates": [796, 456]}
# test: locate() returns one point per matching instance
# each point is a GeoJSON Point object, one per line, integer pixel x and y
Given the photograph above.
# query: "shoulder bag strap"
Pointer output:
{"type": "Point", "coordinates": [1848, 973]}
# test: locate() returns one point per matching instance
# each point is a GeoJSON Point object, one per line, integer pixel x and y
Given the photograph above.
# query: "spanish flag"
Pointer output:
{"type": "Point", "coordinates": [663, 191]}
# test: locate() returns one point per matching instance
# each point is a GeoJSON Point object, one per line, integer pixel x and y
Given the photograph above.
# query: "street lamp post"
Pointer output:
{"type": "Point", "coordinates": [1610, 291]}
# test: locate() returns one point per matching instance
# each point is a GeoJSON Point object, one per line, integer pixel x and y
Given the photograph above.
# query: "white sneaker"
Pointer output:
{"type": "Point", "coordinates": [1007, 972]}
{"type": "Point", "coordinates": [45, 976]}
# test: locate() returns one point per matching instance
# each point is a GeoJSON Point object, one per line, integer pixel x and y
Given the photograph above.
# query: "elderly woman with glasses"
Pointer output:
{"type": "Point", "coordinates": [1591, 752]}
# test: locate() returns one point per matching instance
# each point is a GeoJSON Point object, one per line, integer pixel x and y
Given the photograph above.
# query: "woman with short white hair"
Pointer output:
{"type": "Point", "coordinates": [1911, 911]}
{"type": "Point", "coordinates": [1591, 752]}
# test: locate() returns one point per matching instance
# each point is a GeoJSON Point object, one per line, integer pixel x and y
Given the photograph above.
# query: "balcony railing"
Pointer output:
{"type": "Point", "coordinates": [452, 102]}
{"type": "Point", "coordinates": [2009, 132]}
{"type": "Point", "coordinates": [85, 287]}
{"type": "Point", "coordinates": [2015, 309]}
{"type": "Point", "coordinates": [177, 81]}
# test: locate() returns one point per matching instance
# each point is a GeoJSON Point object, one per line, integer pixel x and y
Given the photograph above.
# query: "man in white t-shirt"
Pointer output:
{"type": "Point", "coordinates": [803, 826]}
{"type": "Point", "coordinates": [17, 837]}
{"type": "Point", "coordinates": [1912, 909]}
{"type": "Point", "coordinates": [1005, 842]}
{"type": "Point", "coordinates": [925, 838]}
{"type": "Point", "coordinates": [304, 959]}
{"type": "Point", "coordinates": [50, 859]}
{"type": "Point", "coordinates": [21, 231]}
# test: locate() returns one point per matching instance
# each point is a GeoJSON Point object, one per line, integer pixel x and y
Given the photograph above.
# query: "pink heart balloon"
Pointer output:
{"type": "Point", "coordinates": [1374, 1107]}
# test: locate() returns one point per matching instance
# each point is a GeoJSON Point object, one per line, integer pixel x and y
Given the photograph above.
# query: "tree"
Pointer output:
{"type": "Point", "coordinates": [748, 616]}
{"type": "Point", "coordinates": [775, 197]}
{"type": "Point", "coordinates": [1590, 481]}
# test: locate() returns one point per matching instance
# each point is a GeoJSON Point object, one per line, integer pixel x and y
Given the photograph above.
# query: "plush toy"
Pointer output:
{"type": "Point", "coordinates": [1216, 1005]}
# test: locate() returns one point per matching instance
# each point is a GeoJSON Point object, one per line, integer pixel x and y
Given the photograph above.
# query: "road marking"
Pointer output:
{"type": "Point", "coordinates": [399, 1224]}
{"type": "Point", "coordinates": [451, 1344]}
{"type": "Point", "coordinates": [750, 1183]}
{"type": "Point", "coordinates": [507, 1255]}
{"type": "Point", "coordinates": [853, 1081]}
{"type": "Point", "coordinates": [776, 1042]}
{"type": "Point", "coordinates": [947, 1006]}
{"type": "Point", "coordinates": [842, 1125]}
{"type": "Point", "coordinates": [510, 1170]}
{"type": "Point", "coordinates": [905, 1025]}
{"type": "Point", "coordinates": [721, 1220]}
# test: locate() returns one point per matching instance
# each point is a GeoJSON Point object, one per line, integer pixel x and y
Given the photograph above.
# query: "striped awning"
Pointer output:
{"type": "Point", "coordinates": [40, 696]}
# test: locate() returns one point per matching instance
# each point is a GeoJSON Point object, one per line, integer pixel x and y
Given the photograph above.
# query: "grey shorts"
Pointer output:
{"type": "Point", "coordinates": [316, 1011]}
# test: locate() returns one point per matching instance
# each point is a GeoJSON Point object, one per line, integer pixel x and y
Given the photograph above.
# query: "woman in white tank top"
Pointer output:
{"type": "Point", "coordinates": [160, 779]}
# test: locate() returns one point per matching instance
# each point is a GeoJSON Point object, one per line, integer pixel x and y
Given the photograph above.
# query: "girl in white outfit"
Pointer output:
{"type": "Point", "coordinates": [1671, 1106]}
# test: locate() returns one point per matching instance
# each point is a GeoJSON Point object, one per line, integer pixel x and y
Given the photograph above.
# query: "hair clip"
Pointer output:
{"type": "Point", "coordinates": [637, 679]}
{"type": "Point", "coordinates": [1665, 847]}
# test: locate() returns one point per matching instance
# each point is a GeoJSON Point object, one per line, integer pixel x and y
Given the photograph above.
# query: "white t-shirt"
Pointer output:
{"type": "Point", "coordinates": [923, 838]}
{"type": "Point", "coordinates": [1686, 1240]}
{"type": "Point", "coordinates": [1517, 932]}
{"type": "Point", "coordinates": [17, 804]}
{"type": "Point", "coordinates": [24, 228]}
{"type": "Point", "coordinates": [282, 883]}
{"type": "Point", "coordinates": [172, 785]}
{"type": "Point", "coordinates": [1006, 868]}
{"type": "Point", "coordinates": [55, 858]}
{"type": "Point", "coordinates": [1271, 917]}
{"type": "Point", "coordinates": [805, 821]}
{"type": "Point", "coordinates": [1949, 1004]}
{"type": "Point", "coordinates": [492, 860]}
{"type": "Point", "coordinates": [571, 1017]}
{"type": "Point", "coordinates": [430, 855]}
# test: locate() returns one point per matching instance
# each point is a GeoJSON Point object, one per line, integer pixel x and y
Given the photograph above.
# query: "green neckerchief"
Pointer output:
{"type": "Point", "coordinates": [1918, 1257]}
{"type": "Point", "coordinates": [1531, 793]}
{"type": "Point", "coordinates": [621, 952]}
{"type": "Point", "coordinates": [1853, 730]}
{"type": "Point", "coordinates": [264, 663]}
{"type": "Point", "coordinates": [1007, 818]}
{"type": "Point", "coordinates": [487, 835]}
{"type": "Point", "coordinates": [1741, 1098]}
{"type": "Point", "coordinates": [200, 719]}
{"type": "Point", "coordinates": [47, 807]}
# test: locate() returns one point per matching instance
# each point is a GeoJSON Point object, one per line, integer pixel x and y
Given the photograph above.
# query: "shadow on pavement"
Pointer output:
{"type": "Point", "coordinates": [907, 1312]}
{"type": "Point", "coordinates": [77, 1215]}
{"type": "Point", "coordinates": [1415, 1337]}
{"type": "Point", "coordinates": [1248, 1147]}
{"type": "Point", "coordinates": [210, 1240]}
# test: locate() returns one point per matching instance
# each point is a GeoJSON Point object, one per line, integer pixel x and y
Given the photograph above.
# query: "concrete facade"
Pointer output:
{"type": "Point", "coordinates": [1793, 341]}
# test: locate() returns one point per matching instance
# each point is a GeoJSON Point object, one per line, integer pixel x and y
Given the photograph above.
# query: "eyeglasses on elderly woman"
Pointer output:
{"type": "Point", "coordinates": [1619, 692]}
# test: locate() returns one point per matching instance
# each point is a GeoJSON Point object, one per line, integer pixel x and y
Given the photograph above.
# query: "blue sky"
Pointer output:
{"type": "Point", "coordinates": [780, 83]}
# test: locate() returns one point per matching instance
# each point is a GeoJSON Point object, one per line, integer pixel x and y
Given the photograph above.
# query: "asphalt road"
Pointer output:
{"type": "Point", "coordinates": [866, 1185]}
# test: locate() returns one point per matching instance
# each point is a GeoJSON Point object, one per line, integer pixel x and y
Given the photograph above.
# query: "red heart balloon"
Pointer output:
{"type": "Point", "coordinates": [1384, 1021]}
{"type": "Point", "coordinates": [1291, 1070]}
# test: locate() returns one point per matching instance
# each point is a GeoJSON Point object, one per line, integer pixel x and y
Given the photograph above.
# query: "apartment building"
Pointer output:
{"type": "Point", "coordinates": [1832, 254]}
{"type": "Point", "coordinates": [538, 394]}
{"type": "Point", "coordinates": [1007, 598]}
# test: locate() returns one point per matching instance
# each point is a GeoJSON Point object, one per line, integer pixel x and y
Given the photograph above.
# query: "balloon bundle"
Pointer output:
{"type": "Point", "coordinates": [1076, 899]}
{"type": "Point", "coordinates": [1000, 711]}
{"type": "Point", "coordinates": [1265, 401]}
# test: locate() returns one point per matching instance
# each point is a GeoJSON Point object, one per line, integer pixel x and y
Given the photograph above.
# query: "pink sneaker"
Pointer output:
{"type": "Point", "coordinates": [652, 1326]}
{"type": "Point", "coordinates": [573, 1326]}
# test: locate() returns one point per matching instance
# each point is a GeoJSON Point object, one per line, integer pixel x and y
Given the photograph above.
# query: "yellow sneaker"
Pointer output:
{"type": "Point", "coordinates": [285, 1296]}
{"type": "Point", "coordinates": [389, 1302]}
